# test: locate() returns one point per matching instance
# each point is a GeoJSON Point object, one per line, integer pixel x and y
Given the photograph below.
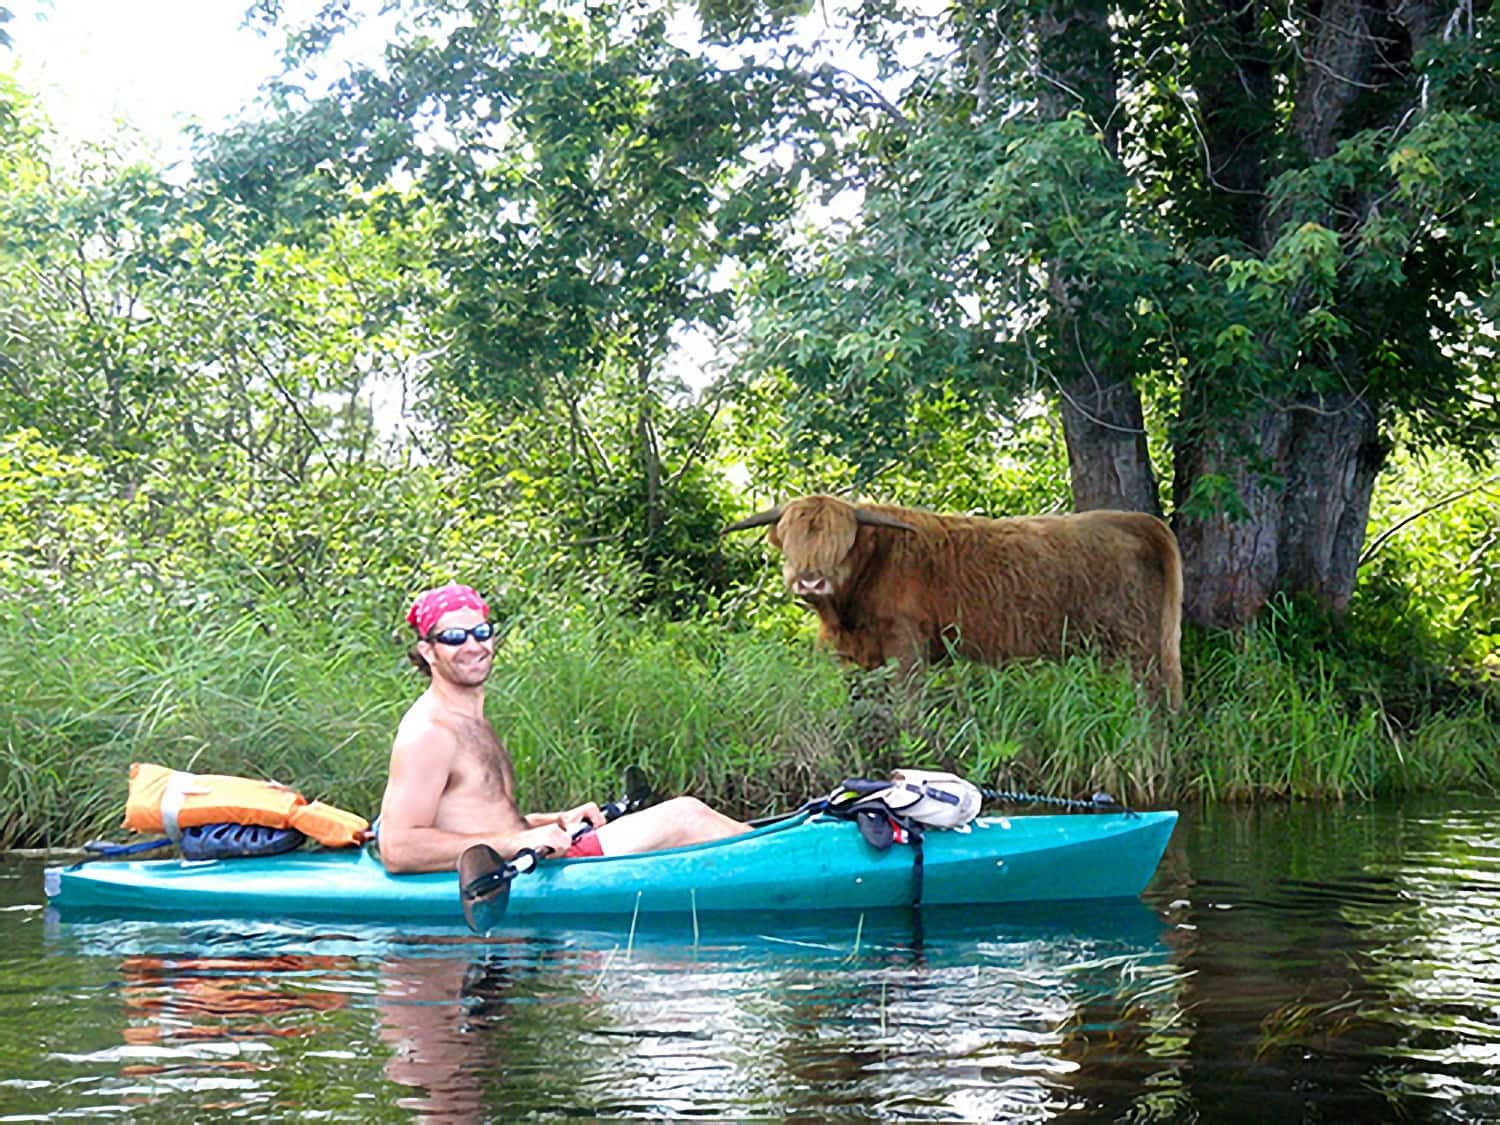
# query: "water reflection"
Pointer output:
{"type": "Point", "coordinates": [1292, 963]}
{"type": "Point", "coordinates": [172, 1000]}
{"type": "Point", "coordinates": [434, 1053]}
{"type": "Point", "coordinates": [1348, 968]}
{"type": "Point", "coordinates": [988, 1019]}
{"type": "Point", "coordinates": [202, 1023]}
{"type": "Point", "coordinates": [979, 1015]}
{"type": "Point", "coordinates": [1437, 959]}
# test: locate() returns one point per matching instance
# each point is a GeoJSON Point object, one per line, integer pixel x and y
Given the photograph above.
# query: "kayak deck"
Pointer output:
{"type": "Point", "coordinates": [805, 862]}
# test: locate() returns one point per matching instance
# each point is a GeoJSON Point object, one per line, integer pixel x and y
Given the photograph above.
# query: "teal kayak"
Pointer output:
{"type": "Point", "coordinates": [805, 862]}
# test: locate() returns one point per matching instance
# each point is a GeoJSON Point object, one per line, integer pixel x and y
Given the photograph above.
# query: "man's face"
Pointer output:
{"type": "Point", "coordinates": [468, 664]}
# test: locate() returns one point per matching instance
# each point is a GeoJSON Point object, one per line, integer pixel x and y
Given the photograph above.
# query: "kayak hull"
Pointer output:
{"type": "Point", "coordinates": [802, 863]}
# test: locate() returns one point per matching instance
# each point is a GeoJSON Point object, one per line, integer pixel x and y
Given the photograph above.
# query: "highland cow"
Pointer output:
{"type": "Point", "coordinates": [911, 585]}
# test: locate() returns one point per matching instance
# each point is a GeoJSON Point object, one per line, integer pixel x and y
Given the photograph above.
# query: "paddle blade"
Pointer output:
{"type": "Point", "coordinates": [483, 886]}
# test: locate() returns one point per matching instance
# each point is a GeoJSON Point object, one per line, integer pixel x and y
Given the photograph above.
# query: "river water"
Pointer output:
{"type": "Point", "coordinates": [1290, 963]}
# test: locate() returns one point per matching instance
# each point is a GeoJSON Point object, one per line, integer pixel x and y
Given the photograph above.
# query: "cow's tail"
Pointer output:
{"type": "Point", "coordinates": [1170, 660]}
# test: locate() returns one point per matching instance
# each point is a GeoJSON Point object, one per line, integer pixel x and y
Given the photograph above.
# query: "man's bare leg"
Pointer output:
{"type": "Point", "coordinates": [671, 824]}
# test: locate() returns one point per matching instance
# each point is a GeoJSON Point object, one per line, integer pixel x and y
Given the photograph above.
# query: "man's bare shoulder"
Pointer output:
{"type": "Point", "coordinates": [428, 726]}
{"type": "Point", "coordinates": [425, 727]}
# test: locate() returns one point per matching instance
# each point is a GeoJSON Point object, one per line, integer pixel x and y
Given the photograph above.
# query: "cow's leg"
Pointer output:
{"type": "Point", "coordinates": [873, 710]}
{"type": "Point", "coordinates": [910, 647]}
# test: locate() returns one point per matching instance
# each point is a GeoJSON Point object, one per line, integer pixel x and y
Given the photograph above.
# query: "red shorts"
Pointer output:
{"type": "Point", "coordinates": [585, 845]}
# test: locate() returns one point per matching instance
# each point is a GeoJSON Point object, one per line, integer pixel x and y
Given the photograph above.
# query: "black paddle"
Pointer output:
{"type": "Point", "coordinates": [638, 794]}
{"type": "Point", "coordinates": [484, 878]}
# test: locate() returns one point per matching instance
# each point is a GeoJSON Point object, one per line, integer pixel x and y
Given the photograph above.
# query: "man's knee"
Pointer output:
{"type": "Point", "coordinates": [684, 811]}
{"type": "Point", "coordinates": [683, 808]}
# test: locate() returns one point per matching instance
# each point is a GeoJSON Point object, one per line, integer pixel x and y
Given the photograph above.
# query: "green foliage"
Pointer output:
{"type": "Point", "coordinates": [587, 186]}
{"type": "Point", "coordinates": [1011, 466]}
{"type": "Point", "coordinates": [1264, 723]}
{"type": "Point", "coordinates": [19, 150]}
{"type": "Point", "coordinates": [49, 528]}
{"type": "Point", "coordinates": [909, 311]}
{"type": "Point", "coordinates": [219, 679]}
{"type": "Point", "coordinates": [1429, 596]}
{"type": "Point", "coordinates": [205, 679]}
{"type": "Point", "coordinates": [422, 329]}
{"type": "Point", "coordinates": [1181, 214]}
{"type": "Point", "coordinates": [583, 510]}
{"type": "Point", "coordinates": [154, 328]}
{"type": "Point", "coordinates": [749, 722]}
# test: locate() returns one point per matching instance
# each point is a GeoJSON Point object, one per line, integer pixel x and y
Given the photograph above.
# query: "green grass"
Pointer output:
{"type": "Point", "coordinates": [94, 685]}
{"type": "Point", "coordinates": [751, 721]}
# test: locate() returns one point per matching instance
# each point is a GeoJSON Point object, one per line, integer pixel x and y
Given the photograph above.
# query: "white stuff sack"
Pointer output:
{"type": "Point", "coordinates": [932, 797]}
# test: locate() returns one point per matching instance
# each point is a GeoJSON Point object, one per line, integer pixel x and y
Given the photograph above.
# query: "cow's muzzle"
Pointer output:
{"type": "Point", "coordinates": [812, 587]}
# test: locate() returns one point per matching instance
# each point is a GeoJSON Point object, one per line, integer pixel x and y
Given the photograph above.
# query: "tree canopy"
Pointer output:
{"type": "Point", "coordinates": [1264, 233]}
{"type": "Point", "coordinates": [1214, 263]}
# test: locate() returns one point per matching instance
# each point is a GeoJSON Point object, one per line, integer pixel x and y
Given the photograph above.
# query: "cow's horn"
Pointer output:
{"type": "Point", "coordinates": [880, 519]}
{"type": "Point", "coordinates": [760, 519]}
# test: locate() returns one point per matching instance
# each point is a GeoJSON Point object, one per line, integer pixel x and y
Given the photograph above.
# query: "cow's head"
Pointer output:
{"type": "Point", "coordinates": [816, 537]}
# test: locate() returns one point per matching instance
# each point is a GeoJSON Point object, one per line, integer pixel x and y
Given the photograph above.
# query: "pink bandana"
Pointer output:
{"type": "Point", "coordinates": [429, 606]}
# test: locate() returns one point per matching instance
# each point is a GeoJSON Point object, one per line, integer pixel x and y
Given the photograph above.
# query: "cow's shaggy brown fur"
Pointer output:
{"type": "Point", "coordinates": [916, 583]}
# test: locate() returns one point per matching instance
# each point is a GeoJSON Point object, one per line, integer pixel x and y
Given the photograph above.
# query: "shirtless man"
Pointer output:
{"type": "Point", "coordinates": [451, 783]}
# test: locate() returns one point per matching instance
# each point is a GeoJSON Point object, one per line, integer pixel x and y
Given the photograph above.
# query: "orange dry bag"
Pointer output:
{"type": "Point", "coordinates": [166, 800]}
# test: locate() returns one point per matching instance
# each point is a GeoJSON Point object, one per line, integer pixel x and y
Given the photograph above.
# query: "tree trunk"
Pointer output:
{"type": "Point", "coordinates": [1292, 488]}
{"type": "Point", "coordinates": [649, 450]}
{"type": "Point", "coordinates": [1230, 526]}
{"type": "Point", "coordinates": [1101, 410]}
{"type": "Point", "coordinates": [1274, 494]}
{"type": "Point", "coordinates": [1335, 450]}
{"type": "Point", "coordinates": [1106, 437]}
{"type": "Point", "coordinates": [1335, 456]}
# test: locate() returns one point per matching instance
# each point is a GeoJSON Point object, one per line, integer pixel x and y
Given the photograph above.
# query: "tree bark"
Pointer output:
{"type": "Point", "coordinates": [1335, 455]}
{"type": "Point", "coordinates": [1334, 450]}
{"type": "Point", "coordinates": [649, 450]}
{"type": "Point", "coordinates": [1293, 480]}
{"type": "Point", "coordinates": [1231, 537]}
{"type": "Point", "coordinates": [1102, 419]}
{"type": "Point", "coordinates": [1303, 478]}
{"type": "Point", "coordinates": [1105, 433]}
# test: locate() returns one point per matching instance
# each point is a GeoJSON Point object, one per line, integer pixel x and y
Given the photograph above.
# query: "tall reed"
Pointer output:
{"type": "Point", "coordinates": [751, 721]}
{"type": "Point", "coordinates": [209, 685]}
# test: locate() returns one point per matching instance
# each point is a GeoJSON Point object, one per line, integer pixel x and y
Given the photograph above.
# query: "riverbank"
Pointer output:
{"type": "Point", "coordinates": [753, 720]}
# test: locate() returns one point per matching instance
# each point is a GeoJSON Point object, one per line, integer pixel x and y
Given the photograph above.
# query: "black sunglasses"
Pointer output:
{"type": "Point", "coordinates": [456, 636]}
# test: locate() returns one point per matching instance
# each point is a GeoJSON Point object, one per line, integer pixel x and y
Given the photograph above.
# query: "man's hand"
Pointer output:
{"type": "Point", "coordinates": [588, 814]}
{"type": "Point", "coordinates": [548, 838]}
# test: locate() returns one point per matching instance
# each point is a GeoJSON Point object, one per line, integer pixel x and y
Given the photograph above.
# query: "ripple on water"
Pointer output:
{"type": "Point", "coordinates": [1341, 965]}
{"type": "Point", "coordinates": [1375, 968]}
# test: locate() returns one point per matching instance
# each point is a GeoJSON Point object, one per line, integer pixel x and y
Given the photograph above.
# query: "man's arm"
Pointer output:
{"type": "Point", "coordinates": [410, 840]}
